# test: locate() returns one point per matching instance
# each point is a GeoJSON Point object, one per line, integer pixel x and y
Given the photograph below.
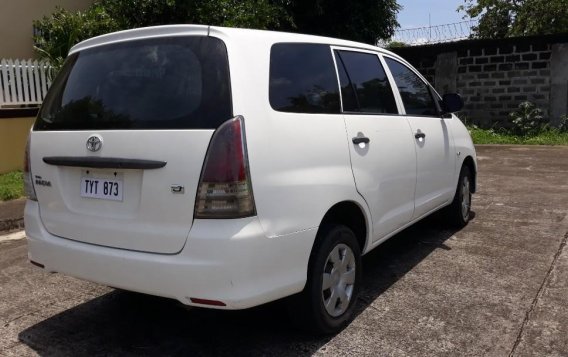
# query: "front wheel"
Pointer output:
{"type": "Point", "coordinates": [327, 303]}
{"type": "Point", "coordinates": [459, 212]}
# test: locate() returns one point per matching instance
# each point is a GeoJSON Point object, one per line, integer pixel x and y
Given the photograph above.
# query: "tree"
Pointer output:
{"type": "Point", "coordinates": [258, 14]}
{"type": "Point", "coordinates": [58, 32]}
{"type": "Point", "coordinates": [508, 18]}
{"type": "Point", "coordinates": [363, 20]}
{"type": "Point", "coordinates": [61, 30]}
{"type": "Point", "coordinates": [396, 44]}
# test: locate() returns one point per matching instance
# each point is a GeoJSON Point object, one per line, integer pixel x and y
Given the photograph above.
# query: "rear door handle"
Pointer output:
{"type": "Point", "coordinates": [361, 139]}
{"type": "Point", "coordinates": [420, 135]}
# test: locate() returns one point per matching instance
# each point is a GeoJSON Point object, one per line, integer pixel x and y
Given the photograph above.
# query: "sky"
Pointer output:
{"type": "Point", "coordinates": [415, 12]}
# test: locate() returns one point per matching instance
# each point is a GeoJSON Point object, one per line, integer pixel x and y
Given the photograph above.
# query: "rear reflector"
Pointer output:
{"type": "Point", "coordinates": [225, 189]}
{"type": "Point", "coordinates": [29, 190]}
{"type": "Point", "coordinates": [37, 264]}
{"type": "Point", "coordinates": [207, 302]}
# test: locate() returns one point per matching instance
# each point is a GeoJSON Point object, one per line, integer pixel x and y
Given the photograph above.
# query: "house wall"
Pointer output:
{"type": "Point", "coordinates": [13, 137]}
{"type": "Point", "coordinates": [495, 76]}
{"type": "Point", "coordinates": [16, 23]}
{"type": "Point", "coordinates": [16, 42]}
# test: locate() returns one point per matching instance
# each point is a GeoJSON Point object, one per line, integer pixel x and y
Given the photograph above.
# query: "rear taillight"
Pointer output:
{"type": "Point", "coordinates": [225, 189]}
{"type": "Point", "coordinates": [28, 179]}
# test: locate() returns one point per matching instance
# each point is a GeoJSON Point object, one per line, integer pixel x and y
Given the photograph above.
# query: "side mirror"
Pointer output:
{"type": "Point", "coordinates": [451, 103]}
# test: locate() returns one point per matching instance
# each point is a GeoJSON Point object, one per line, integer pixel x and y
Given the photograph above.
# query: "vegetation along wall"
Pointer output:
{"type": "Point", "coordinates": [495, 76]}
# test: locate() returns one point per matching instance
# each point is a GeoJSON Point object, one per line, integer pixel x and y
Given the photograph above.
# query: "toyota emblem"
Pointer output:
{"type": "Point", "coordinates": [94, 143]}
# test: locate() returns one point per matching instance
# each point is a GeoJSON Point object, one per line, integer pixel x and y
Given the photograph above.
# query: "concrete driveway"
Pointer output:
{"type": "Point", "coordinates": [498, 287]}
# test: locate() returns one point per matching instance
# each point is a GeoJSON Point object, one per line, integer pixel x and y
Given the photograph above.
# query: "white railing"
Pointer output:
{"type": "Point", "coordinates": [23, 83]}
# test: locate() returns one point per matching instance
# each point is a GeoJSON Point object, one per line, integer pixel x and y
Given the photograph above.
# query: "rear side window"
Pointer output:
{"type": "Point", "coordinates": [365, 79]}
{"type": "Point", "coordinates": [165, 83]}
{"type": "Point", "coordinates": [414, 92]}
{"type": "Point", "coordinates": [302, 79]}
{"type": "Point", "coordinates": [348, 96]}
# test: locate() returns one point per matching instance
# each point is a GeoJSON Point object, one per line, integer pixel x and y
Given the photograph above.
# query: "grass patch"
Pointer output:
{"type": "Point", "coordinates": [11, 185]}
{"type": "Point", "coordinates": [491, 136]}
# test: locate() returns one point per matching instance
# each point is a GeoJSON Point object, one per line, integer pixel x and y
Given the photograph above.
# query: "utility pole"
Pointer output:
{"type": "Point", "coordinates": [430, 28]}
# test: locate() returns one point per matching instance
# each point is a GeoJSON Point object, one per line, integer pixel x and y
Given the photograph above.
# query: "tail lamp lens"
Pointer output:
{"type": "Point", "coordinates": [225, 189]}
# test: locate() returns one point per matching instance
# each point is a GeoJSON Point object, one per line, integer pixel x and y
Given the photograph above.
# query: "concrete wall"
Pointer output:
{"type": "Point", "coordinates": [495, 76]}
{"type": "Point", "coordinates": [13, 136]}
{"type": "Point", "coordinates": [16, 23]}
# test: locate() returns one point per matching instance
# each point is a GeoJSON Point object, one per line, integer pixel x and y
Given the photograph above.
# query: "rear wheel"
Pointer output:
{"type": "Point", "coordinates": [327, 303]}
{"type": "Point", "coordinates": [459, 211]}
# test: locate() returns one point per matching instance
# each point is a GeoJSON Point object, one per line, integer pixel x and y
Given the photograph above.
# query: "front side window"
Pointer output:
{"type": "Point", "coordinates": [364, 84]}
{"type": "Point", "coordinates": [415, 93]}
{"type": "Point", "coordinates": [162, 83]}
{"type": "Point", "coordinates": [302, 79]}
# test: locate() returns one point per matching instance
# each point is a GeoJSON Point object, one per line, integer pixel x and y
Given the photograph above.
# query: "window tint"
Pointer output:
{"type": "Point", "coordinates": [415, 93]}
{"type": "Point", "coordinates": [367, 79]}
{"type": "Point", "coordinates": [165, 83]}
{"type": "Point", "coordinates": [347, 91]}
{"type": "Point", "coordinates": [302, 79]}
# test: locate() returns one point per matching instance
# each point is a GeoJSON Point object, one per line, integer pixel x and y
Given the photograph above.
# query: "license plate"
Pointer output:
{"type": "Point", "coordinates": [105, 189]}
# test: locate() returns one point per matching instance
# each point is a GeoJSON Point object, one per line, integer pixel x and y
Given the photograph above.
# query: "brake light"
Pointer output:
{"type": "Point", "coordinates": [28, 179]}
{"type": "Point", "coordinates": [225, 189]}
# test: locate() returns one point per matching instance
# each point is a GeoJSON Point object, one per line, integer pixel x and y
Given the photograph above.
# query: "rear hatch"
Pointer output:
{"type": "Point", "coordinates": [119, 143]}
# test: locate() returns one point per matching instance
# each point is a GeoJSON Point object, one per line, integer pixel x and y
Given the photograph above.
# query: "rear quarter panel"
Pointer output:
{"type": "Point", "coordinates": [299, 163]}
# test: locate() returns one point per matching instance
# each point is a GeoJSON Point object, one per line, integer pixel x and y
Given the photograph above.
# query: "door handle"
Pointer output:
{"type": "Point", "coordinates": [420, 135]}
{"type": "Point", "coordinates": [361, 139]}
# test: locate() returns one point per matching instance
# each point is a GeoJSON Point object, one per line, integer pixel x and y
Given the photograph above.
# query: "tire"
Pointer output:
{"type": "Point", "coordinates": [336, 262]}
{"type": "Point", "coordinates": [459, 212]}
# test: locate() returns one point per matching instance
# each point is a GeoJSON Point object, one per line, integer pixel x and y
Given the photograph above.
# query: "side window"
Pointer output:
{"type": "Point", "coordinates": [415, 94]}
{"type": "Point", "coordinates": [348, 95]}
{"type": "Point", "coordinates": [303, 79]}
{"type": "Point", "coordinates": [364, 84]}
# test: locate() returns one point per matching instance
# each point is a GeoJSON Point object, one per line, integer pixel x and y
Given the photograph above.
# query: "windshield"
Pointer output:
{"type": "Point", "coordinates": [162, 83]}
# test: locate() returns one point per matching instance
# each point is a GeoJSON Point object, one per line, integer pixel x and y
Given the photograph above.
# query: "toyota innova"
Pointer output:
{"type": "Point", "coordinates": [227, 168]}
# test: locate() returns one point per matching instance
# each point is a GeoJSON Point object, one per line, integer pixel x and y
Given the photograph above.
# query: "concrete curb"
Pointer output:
{"type": "Point", "coordinates": [9, 225]}
{"type": "Point", "coordinates": [12, 215]}
{"type": "Point", "coordinates": [13, 236]}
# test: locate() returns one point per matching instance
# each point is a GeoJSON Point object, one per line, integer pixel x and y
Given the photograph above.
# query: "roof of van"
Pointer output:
{"type": "Point", "coordinates": [245, 34]}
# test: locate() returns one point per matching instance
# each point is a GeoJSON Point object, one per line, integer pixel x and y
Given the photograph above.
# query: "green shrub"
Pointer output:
{"type": "Point", "coordinates": [11, 185]}
{"type": "Point", "coordinates": [527, 120]}
{"type": "Point", "coordinates": [563, 125]}
{"type": "Point", "coordinates": [58, 32]}
{"type": "Point", "coordinates": [396, 44]}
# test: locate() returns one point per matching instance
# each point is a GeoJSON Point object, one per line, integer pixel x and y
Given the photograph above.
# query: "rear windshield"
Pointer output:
{"type": "Point", "coordinates": [163, 83]}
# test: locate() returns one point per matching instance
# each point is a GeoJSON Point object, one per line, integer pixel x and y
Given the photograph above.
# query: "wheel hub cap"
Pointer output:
{"type": "Point", "coordinates": [338, 280]}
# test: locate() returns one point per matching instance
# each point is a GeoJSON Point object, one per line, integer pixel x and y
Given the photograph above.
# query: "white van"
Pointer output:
{"type": "Point", "coordinates": [227, 168]}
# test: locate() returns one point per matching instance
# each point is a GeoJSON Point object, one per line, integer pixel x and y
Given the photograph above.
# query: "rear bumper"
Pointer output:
{"type": "Point", "coordinates": [231, 261]}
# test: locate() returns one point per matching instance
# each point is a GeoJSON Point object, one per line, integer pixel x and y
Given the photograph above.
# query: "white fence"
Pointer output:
{"type": "Point", "coordinates": [23, 83]}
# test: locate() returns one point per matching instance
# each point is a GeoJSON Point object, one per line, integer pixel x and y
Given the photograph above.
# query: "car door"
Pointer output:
{"type": "Point", "coordinates": [435, 158]}
{"type": "Point", "coordinates": [381, 144]}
